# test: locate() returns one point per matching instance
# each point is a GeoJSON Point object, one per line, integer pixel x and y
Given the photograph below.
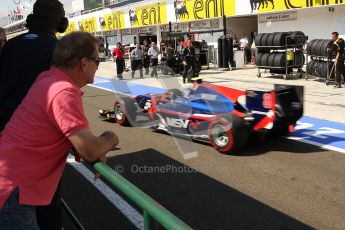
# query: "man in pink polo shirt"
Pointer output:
{"type": "Point", "coordinates": [35, 143]}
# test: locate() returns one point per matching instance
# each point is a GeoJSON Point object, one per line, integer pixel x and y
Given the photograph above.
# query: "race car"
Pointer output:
{"type": "Point", "coordinates": [225, 117]}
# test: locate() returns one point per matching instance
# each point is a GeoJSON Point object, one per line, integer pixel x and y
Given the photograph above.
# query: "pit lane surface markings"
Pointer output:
{"type": "Point", "coordinates": [125, 87]}
{"type": "Point", "coordinates": [132, 215]}
{"type": "Point", "coordinates": [325, 134]}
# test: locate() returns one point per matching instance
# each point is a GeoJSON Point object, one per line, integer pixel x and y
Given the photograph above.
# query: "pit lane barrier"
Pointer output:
{"type": "Point", "coordinates": [155, 215]}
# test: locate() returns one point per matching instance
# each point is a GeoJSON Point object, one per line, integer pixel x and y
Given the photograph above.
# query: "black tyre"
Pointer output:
{"type": "Point", "coordinates": [323, 47]}
{"type": "Point", "coordinates": [316, 47]}
{"type": "Point", "coordinates": [280, 39]}
{"type": "Point", "coordinates": [270, 39]}
{"type": "Point", "coordinates": [225, 50]}
{"type": "Point", "coordinates": [312, 68]}
{"type": "Point", "coordinates": [280, 60]}
{"type": "Point", "coordinates": [228, 134]}
{"type": "Point", "coordinates": [318, 68]}
{"type": "Point", "coordinates": [309, 65]}
{"type": "Point", "coordinates": [125, 111]}
{"type": "Point", "coordinates": [264, 59]}
{"type": "Point", "coordinates": [324, 70]}
{"type": "Point", "coordinates": [258, 39]}
{"type": "Point", "coordinates": [258, 59]}
{"type": "Point", "coordinates": [220, 53]}
{"type": "Point", "coordinates": [270, 61]}
{"type": "Point", "coordinates": [264, 39]}
{"type": "Point", "coordinates": [310, 46]}
{"type": "Point", "coordinates": [297, 38]}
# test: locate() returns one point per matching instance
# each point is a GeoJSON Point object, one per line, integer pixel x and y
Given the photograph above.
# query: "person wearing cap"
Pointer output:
{"type": "Point", "coordinates": [22, 59]}
{"type": "Point", "coordinates": [31, 166]}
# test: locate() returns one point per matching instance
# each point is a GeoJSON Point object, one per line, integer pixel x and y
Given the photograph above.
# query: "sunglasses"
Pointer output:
{"type": "Point", "coordinates": [96, 60]}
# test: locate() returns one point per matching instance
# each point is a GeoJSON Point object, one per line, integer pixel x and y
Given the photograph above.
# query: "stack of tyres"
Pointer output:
{"type": "Point", "coordinates": [318, 68]}
{"type": "Point", "coordinates": [319, 47]}
{"type": "Point", "coordinates": [225, 52]}
{"type": "Point", "coordinates": [275, 59]}
{"type": "Point", "coordinates": [220, 53]}
{"type": "Point", "coordinates": [318, 50]}
{"type": "Point", "coordinates": [280, 39]}
{"type": "Point", "coordinates": [277, 42]}
{"type": "Point", "coordinates": [231, 52]}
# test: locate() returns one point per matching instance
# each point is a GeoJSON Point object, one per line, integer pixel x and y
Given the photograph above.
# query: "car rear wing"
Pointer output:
{"type": "Point", "coordinates": [285, 103]}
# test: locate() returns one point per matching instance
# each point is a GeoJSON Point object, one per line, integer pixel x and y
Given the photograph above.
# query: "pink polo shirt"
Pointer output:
{"type": "Point", "coordinates": [34, 145]}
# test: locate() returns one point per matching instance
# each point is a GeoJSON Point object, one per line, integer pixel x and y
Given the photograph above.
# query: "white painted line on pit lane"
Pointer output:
{"type": "Point", "coordinates": [99, 87]}
{"type": "Point", "coordinates": [127, 210]}
{"type": "Point", "coordinates": [328, 147]}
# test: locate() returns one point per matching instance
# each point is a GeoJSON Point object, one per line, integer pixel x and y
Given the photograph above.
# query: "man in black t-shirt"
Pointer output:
{"type": "Point", "coordinates": [22, 59]}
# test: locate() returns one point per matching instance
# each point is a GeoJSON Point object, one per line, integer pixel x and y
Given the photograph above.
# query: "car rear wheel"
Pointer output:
{"type": "Point", "coordinates": [228, 134]}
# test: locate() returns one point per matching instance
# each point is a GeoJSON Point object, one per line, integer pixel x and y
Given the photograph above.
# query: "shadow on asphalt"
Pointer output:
{"type": "Point", "coordinates": [92, 209]}
{"type": "Point", "coordinates": [200, 201]}
{"type": "Point", "coordinates": [279, 144]}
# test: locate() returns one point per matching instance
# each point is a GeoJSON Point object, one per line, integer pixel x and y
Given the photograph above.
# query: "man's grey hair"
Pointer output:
{"type": "Point", "coordinates": [73, 47]}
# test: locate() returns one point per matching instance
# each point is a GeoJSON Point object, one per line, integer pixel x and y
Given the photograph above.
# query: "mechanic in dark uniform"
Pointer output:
{"type": "Point", "coordinates": [146, 48]}
{"type": "Point", "coordinates": [22, 59]}
{"type": "Point", "coordinates": [337, 46]}
{"type": "Point", "coordinates": [189, 61]}
{"type": "Point", "coordinates": [170, 60]}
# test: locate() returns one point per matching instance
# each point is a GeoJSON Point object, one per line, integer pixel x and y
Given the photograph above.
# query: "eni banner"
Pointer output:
{"type": "Point", "coordinates": [112, 21]}
{"type": "Point", "coordinates": [148, 15]}
{"type": "Point", "coordinates": [274, 5]}
{"type": "Point", "coordinates": [88, 24]}
{"type": "Point", "coordinates": [186, 10]}
{"type": "Point", "coordinates": [72, 27]}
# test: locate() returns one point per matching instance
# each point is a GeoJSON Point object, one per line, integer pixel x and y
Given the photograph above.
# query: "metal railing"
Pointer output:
{"type": "Point", "coordinates": [154, 213]}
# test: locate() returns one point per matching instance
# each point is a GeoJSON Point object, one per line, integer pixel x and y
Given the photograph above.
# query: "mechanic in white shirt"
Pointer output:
{"type": "Point", "coordinates": [153, 54]}
{"type": "Point", "coordinates": [244, 46]}
{"type": "Point", "coordinates": [137, 56]}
